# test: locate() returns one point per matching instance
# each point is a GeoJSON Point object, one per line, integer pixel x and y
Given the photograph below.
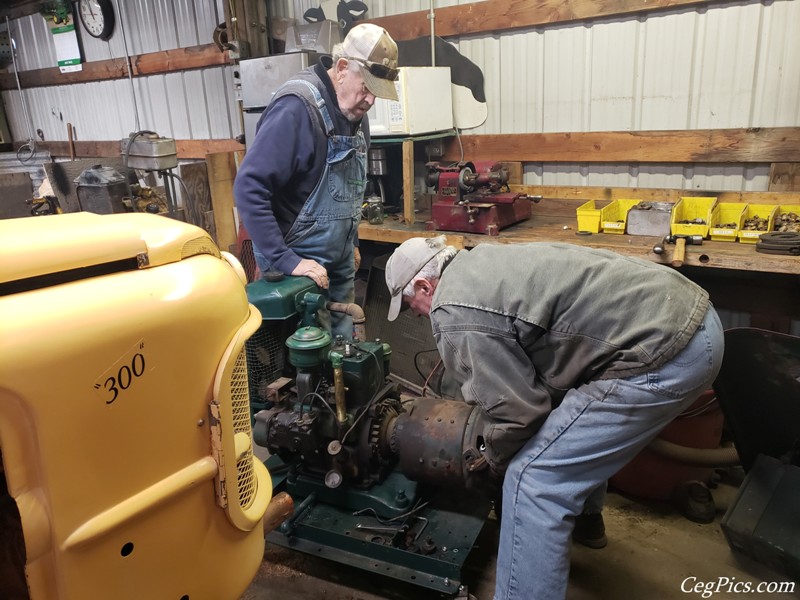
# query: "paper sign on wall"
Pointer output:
{"type": "Point", "coordinates": [68, 52]}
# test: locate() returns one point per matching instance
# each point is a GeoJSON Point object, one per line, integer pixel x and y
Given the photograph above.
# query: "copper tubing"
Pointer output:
{"type": "Point", "coordinates": [280, 508]}
{"type": "Point", "coordinates": [356, 312]}
{"type": "Point", "coordinates": [338, 386]}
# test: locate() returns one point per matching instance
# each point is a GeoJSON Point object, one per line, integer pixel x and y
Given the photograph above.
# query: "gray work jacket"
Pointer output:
{"type": "Point", "coordinates": [519, 325]}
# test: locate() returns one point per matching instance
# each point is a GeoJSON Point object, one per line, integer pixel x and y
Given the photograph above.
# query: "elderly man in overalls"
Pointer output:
{"type": "Point", "coordinates": [300, 187]}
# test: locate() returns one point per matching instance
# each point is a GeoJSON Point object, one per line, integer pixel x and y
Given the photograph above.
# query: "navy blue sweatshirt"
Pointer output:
{"type": "Point", "coordinates": [282, 167]}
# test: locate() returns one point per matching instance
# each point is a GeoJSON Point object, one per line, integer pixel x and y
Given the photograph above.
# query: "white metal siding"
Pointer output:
{"type": "Point", "coordinates": [730, 65]}
{"type": "Point", "coordinates": [196, 104]}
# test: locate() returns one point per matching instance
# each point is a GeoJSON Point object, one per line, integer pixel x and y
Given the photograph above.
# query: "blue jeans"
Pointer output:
{"type": "Point", "coordinates": [593, 433]}
{"type": "Point", "coordinates": [596, 501]}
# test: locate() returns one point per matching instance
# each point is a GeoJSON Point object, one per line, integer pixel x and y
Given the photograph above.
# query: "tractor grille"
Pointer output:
{"type": "Point", "coordinates": [199, 245]}
{"type": "Point", "coordinates": [248, 260]}
{"type": "Point", "coordinates": [240, 407]}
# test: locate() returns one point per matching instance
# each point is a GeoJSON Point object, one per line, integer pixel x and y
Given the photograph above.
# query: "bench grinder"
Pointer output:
{"type": "Point", "coordinates": [475, 197]}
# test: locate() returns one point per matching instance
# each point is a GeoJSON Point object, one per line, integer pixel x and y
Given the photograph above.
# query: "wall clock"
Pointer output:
{"type": "Point", "coordinates": [97, 17]}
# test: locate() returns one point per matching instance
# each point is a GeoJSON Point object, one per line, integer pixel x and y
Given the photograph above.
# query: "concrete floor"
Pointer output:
{"type": "Point", "coordinates": [652, 549]}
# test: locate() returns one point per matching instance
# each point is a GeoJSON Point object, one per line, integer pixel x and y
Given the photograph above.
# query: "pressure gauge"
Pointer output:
{"type": "Point", "coordinates": [97, 17]}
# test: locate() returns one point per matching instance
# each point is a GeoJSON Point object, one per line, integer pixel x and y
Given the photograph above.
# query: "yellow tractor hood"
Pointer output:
{"type": "Point", "coordinates": [37, 246]}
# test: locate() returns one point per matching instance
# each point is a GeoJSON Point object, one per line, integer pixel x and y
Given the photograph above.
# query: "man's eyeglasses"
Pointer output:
{"type": "Point", "coordinates": [377, 69]}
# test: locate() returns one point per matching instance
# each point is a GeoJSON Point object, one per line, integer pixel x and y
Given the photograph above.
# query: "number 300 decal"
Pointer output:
{"type": "Point", "coordinates": [122, 375]}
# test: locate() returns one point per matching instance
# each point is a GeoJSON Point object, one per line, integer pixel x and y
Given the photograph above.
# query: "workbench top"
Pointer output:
{"type": "Point", "coordinates": [551, 216]}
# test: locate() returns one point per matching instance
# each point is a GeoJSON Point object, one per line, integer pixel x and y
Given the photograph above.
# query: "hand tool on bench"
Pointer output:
{"type": "Point", "coordinates": [680, 242]}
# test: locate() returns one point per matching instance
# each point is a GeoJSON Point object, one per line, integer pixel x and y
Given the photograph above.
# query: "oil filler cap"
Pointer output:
{"type": "Point", "coordinates": [273, 276]}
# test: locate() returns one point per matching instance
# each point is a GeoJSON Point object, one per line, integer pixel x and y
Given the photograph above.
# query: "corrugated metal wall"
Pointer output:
{"type": "Point", "coordinates": [197, 104]}
{"type": "Point", "coordinates": [732, 65]}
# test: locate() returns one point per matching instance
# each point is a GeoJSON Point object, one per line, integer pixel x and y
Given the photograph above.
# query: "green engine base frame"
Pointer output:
{"type": "Point", "coordinates": [429, 551]}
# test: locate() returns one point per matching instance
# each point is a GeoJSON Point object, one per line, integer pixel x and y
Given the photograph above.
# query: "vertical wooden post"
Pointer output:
{"type": "Point", "coordinates": [247, 24]}
{"type": "Point", "coordinates": [71, 141]}
{"type": "Point", "coordinates": [408, 181]}
{"type": "Point", "coordinates": [784, 177]}
{"type": "Point", "coordinates": [222, 167]}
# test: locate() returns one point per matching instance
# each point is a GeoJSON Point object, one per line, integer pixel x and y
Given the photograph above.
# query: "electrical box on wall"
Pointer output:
{"type": "Point", "coordinates": [425, 104]}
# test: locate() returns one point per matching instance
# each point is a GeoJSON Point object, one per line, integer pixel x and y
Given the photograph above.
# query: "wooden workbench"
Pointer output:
{"type": "Point", "coordinates": [554, 220]}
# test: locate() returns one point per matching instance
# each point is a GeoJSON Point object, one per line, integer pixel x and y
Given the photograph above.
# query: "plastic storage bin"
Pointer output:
{"type": "Point", "coordinates": [762, 211]}
{"type": "Point", "coordinates": [690, 208]}
{"type": "Point", "coordinates": [726, 221]}
{"type": "Point", "coordinates": [589, 217]}
{"type": "Point", "coordinates": [614, 216]}
{"type": "Point", "coordinates": [790, 214]}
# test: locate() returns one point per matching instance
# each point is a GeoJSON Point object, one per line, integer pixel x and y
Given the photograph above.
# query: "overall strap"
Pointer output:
{"type": "Point", "coordinates": [309, 93]}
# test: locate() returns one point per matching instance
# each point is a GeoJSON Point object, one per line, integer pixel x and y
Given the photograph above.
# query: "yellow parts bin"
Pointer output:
{"type": "Point", "coordinates": [589, 217]}
{"type": "Point", "coordinates": [758, 219]}
{"type": "Point", "coordinates": [787, 218]}
{"type": "Point", "coordinates": [615, 215]}
{"type": "Point", "coordinates": [726, 221]}
{"type": "Point", "coordinates": [692, 215]}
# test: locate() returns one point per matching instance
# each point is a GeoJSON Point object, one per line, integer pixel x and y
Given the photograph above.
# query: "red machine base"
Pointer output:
{"type": "Point", "coordinates": [478, 217]}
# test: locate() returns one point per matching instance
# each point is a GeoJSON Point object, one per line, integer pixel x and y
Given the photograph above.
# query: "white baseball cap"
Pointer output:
{"type": "Point", "coordinates": [374, 49]}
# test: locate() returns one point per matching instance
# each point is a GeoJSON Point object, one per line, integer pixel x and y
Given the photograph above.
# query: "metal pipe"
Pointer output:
{"type": "Point", "coordinates": [287, 527]}
{"type": "Point", "coordinates": [357, 314]}
{"type": "Point", "coordinates": [130, 67]}
{"type": "Point", "coordinates": [431, 18]}
{"type": "Point", "coordinates": [280, 508]}
{"type": "Point", "coordinates": [338, 387]}
{"type": "Point", "coordinates": [71, 141]}
{"type": "Point", "coordinates": [31, 141]}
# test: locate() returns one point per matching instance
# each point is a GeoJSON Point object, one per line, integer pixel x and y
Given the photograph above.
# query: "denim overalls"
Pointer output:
{"type": "Point", "coordinates": [326, 227]}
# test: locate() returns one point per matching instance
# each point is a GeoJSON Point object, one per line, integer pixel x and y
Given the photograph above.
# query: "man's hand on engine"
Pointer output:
{"type": "Point", "coordinates": [312, 269]}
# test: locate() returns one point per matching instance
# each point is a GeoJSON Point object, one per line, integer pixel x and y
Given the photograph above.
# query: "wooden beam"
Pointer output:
{"type": "Point", "coordinates": [247, 26]}
{"type": "Point", "coordinates": [187, 149]}
{"type": "Point", "coordinates": [752, 145]}
{"type": "Point", "coordinates": [502, 15]}
{"type": "Point", "coordinates": [222, 169]}
{"type": "Point", "coordinates": [20, 9]}
{"type": "Point", "coordinates": [581, 194]}
{"type": "Point", "coordinates": [390, 235]}
{"type": "Point", "coordinates": [199, 148]}
{"type": "Point", "coordinates": [179, 59]}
